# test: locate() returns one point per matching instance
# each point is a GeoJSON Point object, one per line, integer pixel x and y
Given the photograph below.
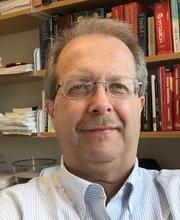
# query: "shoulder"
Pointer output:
{"type": "Point", "coordinates": [167, 179]}
{"type": "Point", "coordinates": [38, 186]}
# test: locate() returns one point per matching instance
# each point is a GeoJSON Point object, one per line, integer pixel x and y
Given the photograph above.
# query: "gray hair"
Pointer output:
{"type": "Point", "coordinates": [107, 27]}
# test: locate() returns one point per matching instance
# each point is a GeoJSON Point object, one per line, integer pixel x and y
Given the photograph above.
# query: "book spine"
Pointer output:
{"type": "Point", "coordinates": [115, 13]}
{"type": "Point", "coordinates": [151, 37]}
{"type": "Point", "coordinates": [131, 12]}
{"type": "Point", "coordinates": [146, 123]}
{"type": "Point", "coordinates": [45, 36]}
{"type": "Point", "coordinates": [165, 77]}
{"type": "Point", "coordinates": [118, 13]}
{"type": "Point", "coordinates": [169, 98]}
{"type": "Point", "coordinates": [154, 119]}
{"type": "Point", "coordinates": [97, 13]}
{"type": "Point", "coordinates": [46, 2]}
{"type": "Point", "coordinates": [163, 27]}
{"type": "Point", "coordinates": [158, 103]}
{"type": "Point", "coordinates": [175, 25]}
{"type": "Point", "coordinates": [142, 32]}
{"type": "Point", "coordinates": [176, 97]}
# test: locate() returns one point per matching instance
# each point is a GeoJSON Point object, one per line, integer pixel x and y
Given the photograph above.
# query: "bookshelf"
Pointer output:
{"type": "Point", "coordinates": [26, 20]}
{"type": "Point", "coordinates": [143, 135]}
{"type": "Point", "coordinates": [29, 76]}
{"type": "Point", "coordinates": [172, 57]}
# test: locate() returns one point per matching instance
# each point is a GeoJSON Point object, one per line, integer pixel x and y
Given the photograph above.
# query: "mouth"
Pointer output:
{"type": "Point", "coordinates": [99, 129]}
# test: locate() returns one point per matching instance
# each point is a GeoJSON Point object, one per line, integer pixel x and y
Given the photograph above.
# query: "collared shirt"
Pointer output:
{"type": "Point", "coordinates": [146, 195]}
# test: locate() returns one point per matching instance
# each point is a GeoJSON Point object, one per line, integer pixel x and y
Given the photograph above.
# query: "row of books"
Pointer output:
{"type": "Point", "coordinates": [50, 28]}
{"type": "Point", "coordinates": [157, 26]}
{"type": "Point", "coordinates": [162, 106]}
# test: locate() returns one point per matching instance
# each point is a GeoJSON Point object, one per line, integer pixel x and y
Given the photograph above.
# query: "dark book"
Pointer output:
{"type": "Point", "coordinates": [146, 117]}
{"type": "Point", "coordinates": [97, 13]}
{"type": "Point", "coordinates": [143, 31]}
{"type": "Point", "coordinates": [46, 2]}
{"type": "Point", "coordinates": [55, 25]}
{"type": "Point", "coordinates": [46, 38]}
{"type": "Point", "coordinates": [65, 22]}
{"type": "Point", "coordinates": [158, 102]}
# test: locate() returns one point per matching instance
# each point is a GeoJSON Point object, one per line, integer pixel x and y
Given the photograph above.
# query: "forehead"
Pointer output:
{"type": "Point", "coordinates": [96, 54]}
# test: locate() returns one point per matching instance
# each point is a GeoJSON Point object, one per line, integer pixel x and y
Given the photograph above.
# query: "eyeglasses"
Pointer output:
{"type": "Point", "coordinates": [122, 87]}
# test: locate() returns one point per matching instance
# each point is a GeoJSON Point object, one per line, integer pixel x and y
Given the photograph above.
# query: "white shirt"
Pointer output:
{"type": "Point", "coordinates": [146, 195]}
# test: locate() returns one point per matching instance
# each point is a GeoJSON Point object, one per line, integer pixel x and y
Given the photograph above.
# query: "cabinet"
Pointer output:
{"type": "Point", "coordinates": [22, 26]}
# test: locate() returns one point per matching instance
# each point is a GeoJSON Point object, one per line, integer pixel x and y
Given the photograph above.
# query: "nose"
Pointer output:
{"type": "Point", "coordinates": [99, 102]}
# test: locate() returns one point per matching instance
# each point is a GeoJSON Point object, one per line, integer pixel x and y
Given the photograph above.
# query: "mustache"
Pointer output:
{"type": "Point", "coordinates": [99, 122]}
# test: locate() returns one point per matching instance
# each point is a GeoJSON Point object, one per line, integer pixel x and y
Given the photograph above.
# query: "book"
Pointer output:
{"type": "Point", "coordinates": [46, 2]}
{"type": "Point", "coordinates": [176, 97]}
{"type": "Point", "coordinates": [143, 31]}
{"type": "Point", "coordinates": [146, 117]}
{"type": "Point", "coordinates": [175, 13]}
{"type": "Point", "coordinates": [163, 27]}
{"type": "Point", "coordinates": [153, 95]}
{"type": "Point", "coordinates": [97, 13]}
{"type": "Point", "coordinates": [118, 13]}
{"type": "Point", "coordinates": [165, 78]}
{"type": "Point", "coordinates": [131, 12]}
{"type": "Point", "coordinates": [151, 37]}
{"type": "Point", "coordinates": [65, 21]}
{"type": "Point", "coordinates": [46, 38]}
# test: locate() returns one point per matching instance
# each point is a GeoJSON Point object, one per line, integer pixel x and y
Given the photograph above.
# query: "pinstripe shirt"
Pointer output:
{"type": "Point", "coordinates": [146, 195]}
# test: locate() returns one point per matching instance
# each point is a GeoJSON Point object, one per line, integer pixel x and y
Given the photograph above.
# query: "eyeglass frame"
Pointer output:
{"type": "Point", "coordinates": [105, 85]}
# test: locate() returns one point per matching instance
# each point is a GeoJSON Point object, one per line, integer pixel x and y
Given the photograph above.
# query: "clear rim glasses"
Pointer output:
{"type": "Point", "coordinates": [120, 88]}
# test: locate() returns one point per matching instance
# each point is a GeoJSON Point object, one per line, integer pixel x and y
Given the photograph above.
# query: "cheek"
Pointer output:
{"type": "Point", "coordinates": [67, 114]}
{"type": "Point", "coordinates": [129, 111]}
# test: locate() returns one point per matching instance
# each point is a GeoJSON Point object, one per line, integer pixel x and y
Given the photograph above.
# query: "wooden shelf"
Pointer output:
{"type": "Point", "coordinates": [143, 135]}
{"type": "Point", "coordinates": [30, 76]}
{"type": "Point", "coordinates": [163, 58]}
{"type": "Point", "coordinates": [25, 20]}
{"type": "Point", "coordinates": [18, 22]}
{"type": "Point", "coordinates": [160, 134]}
{"type": "Point", "coordinates": [76, 5]}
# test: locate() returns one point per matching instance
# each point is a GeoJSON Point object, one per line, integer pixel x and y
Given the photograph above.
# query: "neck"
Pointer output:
{"type": "Point", "coordinates": [110, 177]}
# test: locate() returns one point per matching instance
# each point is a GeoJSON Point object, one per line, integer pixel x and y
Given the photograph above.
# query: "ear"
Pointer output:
{"type": "Point", "coordinates": [50, 108]}
{"type": "Point", "coordinates": [141, 103]}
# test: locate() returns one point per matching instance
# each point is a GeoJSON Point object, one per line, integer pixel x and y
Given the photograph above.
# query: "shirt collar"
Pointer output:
{"type": "Point", "coordinates": [77, 188]}
{"type": "Point", "coordinates": [133, 185]}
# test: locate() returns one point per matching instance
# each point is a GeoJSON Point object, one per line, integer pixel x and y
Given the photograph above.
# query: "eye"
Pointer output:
{"type": "Point", "coordinates": [76, 88]}
{"type": "Point", "coordinates": [117, 87]}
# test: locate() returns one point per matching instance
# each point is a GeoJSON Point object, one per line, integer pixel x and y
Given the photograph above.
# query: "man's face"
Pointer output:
{"type": "Point", "coordinates": [98, 128]}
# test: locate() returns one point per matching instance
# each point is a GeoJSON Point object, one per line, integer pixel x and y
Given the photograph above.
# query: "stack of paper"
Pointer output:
{"type": "Point", "coordinates": [19, 121]}
{"type": "Point", "coordinates": [10, 6]}
{"type": "Point", "coordinates": [17, 69]}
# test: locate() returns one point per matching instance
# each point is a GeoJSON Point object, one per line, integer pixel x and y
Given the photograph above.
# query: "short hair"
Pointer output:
{"type": "Point", "coordinates": [107, 27]}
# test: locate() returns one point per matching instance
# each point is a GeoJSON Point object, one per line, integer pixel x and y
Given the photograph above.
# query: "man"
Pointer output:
{"type": "Point", "coordinates": [97, 80]}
